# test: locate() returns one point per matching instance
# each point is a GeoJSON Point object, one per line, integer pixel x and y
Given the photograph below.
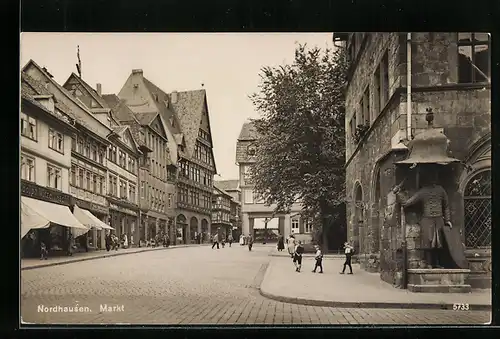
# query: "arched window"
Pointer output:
{"type": "Point", "coordinates": [477, 210]}
{"type": "Point", "coordinates": [358, 219]}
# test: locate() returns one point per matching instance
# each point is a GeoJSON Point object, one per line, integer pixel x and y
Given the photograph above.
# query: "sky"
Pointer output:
{"type": "Point", "coordinates": [227, 64]}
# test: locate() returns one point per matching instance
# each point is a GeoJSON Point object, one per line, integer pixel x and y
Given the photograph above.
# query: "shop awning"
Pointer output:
{"type": "Point", "coordinates": [31, 220]}
{"type": "Point", "coordinates": [88, 219]}
{"type": "Point", "coordinates": [39, 214]}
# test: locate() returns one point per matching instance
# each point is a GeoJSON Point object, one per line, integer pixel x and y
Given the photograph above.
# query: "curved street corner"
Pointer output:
{"type": "Point", "coordinates": [197, 285]}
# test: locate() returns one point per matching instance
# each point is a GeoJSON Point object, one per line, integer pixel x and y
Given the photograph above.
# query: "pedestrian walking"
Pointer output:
{"type": "Point", "coordinates": [108, 240]}
{"type": "Point", "coordinates": [349, 250]}
{"type": "Point", "coordinates": [297, 256]}
{"type": "Point", "coordinates": [43, 251]}
{"type": "Point", "coordinates": [242, 240]}
{"type": "Point", "coordinates": [281, 244]}
{"type": "Point", "coordinates": [291, 245]}
{"type": "Point", "coordinates": [215, 241]}
{"type": "Point", "coordinates": [69, 250]}
{"type": "Point", "coordinates": [223, 242]}
{"type": "Point", "coordinates": [230, 240]}
{"type": "Point", "coordinates": [116, 242]}
{"type": "Point", "coordinates": [125, 241]}
{"type": "Point", "coordinates": [319, 259]}
{"type": "Point", "coordinates": [250, 242]}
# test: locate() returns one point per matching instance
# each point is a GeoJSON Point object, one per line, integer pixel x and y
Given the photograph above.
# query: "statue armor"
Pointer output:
{"type": "Point", "coordinates": [435, 213]}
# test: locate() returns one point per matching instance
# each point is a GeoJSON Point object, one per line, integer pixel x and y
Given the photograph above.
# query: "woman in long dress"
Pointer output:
{"type": "Point", "coordinates": [281, 245]}
{"type": "Point", "coordinates": [242, 240]}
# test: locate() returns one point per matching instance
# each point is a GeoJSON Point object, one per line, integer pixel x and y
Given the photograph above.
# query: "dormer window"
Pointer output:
{"type": "Point", "coordinates": [251, 150]}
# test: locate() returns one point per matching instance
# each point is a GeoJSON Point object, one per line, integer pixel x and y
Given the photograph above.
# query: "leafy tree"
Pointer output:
{"type": "Point", "coordinates": [301, 139]}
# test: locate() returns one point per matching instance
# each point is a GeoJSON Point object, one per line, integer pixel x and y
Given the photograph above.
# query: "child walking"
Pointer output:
{"type": "Point", "coordinates": [297, 257]}
{"type": "Point", "coordinates": [348, 256]}
{"type": "Point", "coordinates": [319, 259]}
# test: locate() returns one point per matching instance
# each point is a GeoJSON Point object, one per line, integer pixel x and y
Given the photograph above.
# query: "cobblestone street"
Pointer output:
{"type": "Point", "coordinates": [192, 285]}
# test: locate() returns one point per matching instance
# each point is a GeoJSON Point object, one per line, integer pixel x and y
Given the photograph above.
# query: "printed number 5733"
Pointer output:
{"type": "Point", "coordinates": [460, 307]}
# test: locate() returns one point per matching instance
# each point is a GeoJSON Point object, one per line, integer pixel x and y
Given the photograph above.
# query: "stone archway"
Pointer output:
{"type": "Point", "coordinates": [204, 229]}
{"type": "Point", "coordinates": [193, 230]}
{"type": "Point", "coordinates": [180, 232]}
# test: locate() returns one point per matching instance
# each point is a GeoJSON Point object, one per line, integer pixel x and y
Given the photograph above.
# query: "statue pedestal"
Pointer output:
{"type": "Point", "coordinates": [438, 280]}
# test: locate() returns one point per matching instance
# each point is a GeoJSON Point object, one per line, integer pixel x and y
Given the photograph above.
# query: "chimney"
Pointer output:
{"type": "Point", "coordinates": [173, 97]}
{"type": "Point", "coordinates": [137, 71]}
{"type": "Point", "coordinates": [98, 89]}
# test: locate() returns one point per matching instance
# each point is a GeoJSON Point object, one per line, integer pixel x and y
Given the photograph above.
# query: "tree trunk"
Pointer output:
{"type": "Point", "coordinates": [325, 220]}
{"type": "Point", "coordinates": [325, 237]}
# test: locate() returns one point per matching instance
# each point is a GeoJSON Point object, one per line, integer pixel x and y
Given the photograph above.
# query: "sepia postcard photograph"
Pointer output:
{"type": "Point", "coordinates": [236, 179]}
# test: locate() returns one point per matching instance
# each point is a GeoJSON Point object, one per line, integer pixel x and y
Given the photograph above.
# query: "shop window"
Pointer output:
{"type": "Point", "coordinates": [477, 210]}
{"type": "Point", "coordinates": [474, 57]}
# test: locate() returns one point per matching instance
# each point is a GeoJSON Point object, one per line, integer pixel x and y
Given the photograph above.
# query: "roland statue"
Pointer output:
{"type": "Point", "coordinates": [435, 215]}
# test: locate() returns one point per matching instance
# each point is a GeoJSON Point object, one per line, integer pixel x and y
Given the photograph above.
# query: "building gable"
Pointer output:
{"type": "Point", "coordinates": [80, 112]}
{"type": "Point", "coordinates": [128, 140]}
{"type": "Point", "coordinates": [136, 95]}
{"type": "Point", "coordinates": [83, 91]}
{"type": "Point", "coordinates": [158, 126]}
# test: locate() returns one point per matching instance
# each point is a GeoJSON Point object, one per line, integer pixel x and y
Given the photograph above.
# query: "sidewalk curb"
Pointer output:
{"type": "Point", "coordinates": [362, 304]}
{"type": "Point", "coordinates": [369, 304]}
{"type": "Point", "coordinates": [100, 257]}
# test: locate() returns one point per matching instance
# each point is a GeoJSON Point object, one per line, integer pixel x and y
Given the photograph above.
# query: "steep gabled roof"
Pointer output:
{"type": "Point", "coordinates": [228, 185]}
{"type": "Point", "coordinates": [162, 103]}
{"type": "Point", "coordinates": [89, 89]}
{"type": "Point", "coordinates": [66, 93]}
{"type": "Point", "coordinates": [31, 87]}
{"type": "Point", "coordinates": [248, 132]}
{"type": "Point", "coordinates": [120, 109]}
{"type": "Point", "coordinates": [189, 109]}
